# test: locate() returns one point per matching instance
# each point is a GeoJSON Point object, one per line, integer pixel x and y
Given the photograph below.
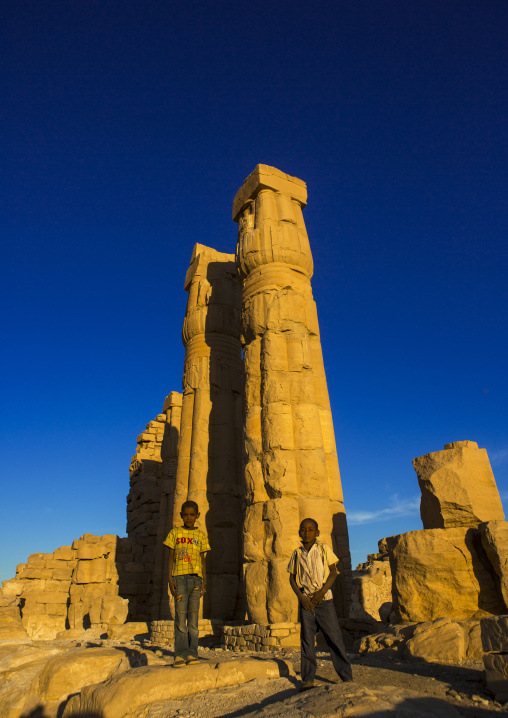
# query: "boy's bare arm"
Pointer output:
{"type": "Point", "coordinates": [318, 596]}
{"type": "Point", "coordinates": [203, 569]}
{"type": "Point", "coordinates": [171, 583]}
{"type": "Point", "coordinates": [304, 600]}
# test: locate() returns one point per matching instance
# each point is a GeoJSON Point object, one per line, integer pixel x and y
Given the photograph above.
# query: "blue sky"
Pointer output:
{"type": "Point", "coordinates": [127, 128]}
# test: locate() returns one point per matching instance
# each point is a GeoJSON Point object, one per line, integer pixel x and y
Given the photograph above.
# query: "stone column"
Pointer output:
{"type": "Point", "coordinates": [209, 451]}
{"type": "Point", "coordinates": [291, 469]}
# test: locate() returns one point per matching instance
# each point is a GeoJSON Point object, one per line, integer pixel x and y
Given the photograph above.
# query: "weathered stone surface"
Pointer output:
{"type": "Point", "coordinates": [458, 487]}
{"type": "Point", "coordinates": [68, 673]}
{"type": "Point", "coordinates": [442, 572]}
{"type": "Point", "coordinates": [495, 542]}
{"type": "Point", "coordinates": [125, 695]}
{"type": "Point", "coordinates": [494, 632]}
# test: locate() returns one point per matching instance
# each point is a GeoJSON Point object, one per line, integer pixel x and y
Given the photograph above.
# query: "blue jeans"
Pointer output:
{"type": "Point", "coordinates": [188, 595]}
{"type": "Point", "coordinates": [324, 618]}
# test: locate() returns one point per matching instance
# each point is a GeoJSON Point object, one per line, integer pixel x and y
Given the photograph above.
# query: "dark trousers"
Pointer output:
{"type": "Point", "coordinates": [188, 595]}
{"type": "Point", "coordinates": [324, 618]}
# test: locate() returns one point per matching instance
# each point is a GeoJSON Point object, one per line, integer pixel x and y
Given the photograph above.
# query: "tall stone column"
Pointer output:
{"type": "Point", "coordinates": [291, 470]}
{"type": "Point", "coordinates": [209, 452]}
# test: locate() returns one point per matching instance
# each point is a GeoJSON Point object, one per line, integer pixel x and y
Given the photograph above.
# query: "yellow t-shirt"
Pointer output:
{"type": "Point", "coordinates": [188, 545]}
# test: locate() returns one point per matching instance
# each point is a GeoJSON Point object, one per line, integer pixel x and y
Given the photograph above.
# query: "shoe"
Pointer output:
{"type": "Point", "coordinates": [347, 679]}
{"type": "Point", "coordinates": [306, 686]}
{"type": "Point", "coordinates": [178, 662]}
{"type": "Point", "coordinates": [192, 659]}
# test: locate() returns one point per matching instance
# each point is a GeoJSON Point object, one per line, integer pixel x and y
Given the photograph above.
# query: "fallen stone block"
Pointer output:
{"type": "Point", "coordinates": [68, 673]}
{"type": "Point", "coordinates": [125, 695]}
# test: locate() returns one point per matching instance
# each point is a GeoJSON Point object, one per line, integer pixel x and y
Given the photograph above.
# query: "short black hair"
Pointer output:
{"type": "Point", "coordinates": [190, 505]}
{"type": "Point", "coordinates": [313, 521]}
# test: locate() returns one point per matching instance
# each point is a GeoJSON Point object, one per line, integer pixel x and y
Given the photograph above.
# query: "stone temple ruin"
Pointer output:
{"type": "Point", "coordinates": [251, 440]}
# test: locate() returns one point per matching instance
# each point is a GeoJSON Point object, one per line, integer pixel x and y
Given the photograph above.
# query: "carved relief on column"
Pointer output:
{"type": "Point", "coordinates": [291, 470]}
{"type": "Point", "coordinates": [209, 453]}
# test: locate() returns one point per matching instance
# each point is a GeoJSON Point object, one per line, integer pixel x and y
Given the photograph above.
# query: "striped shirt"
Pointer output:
{"type": "Point", "coordinates": [312, 568]}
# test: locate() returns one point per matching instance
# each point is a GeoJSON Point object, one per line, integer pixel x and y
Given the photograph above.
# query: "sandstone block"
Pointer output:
{"type": "Point", "coordinates": [494, 536]}
{"type": "Point", "coordinates": [91, 571]}
{"type": "Point", "coordinates": [282, 603]}
{"type": "Point", "coordinates": [56, 609]}
{"type": "Point", "coordinates": [440, 641]}
{"type": "Point", "coordinates": [64, 553]}
{"type": "Point", "coordinates": [12, 587]}
{"type": "Point", "coordinates": [441, 572]}
{"type": "Point", "coordinates": [38, 572]}
{"type": "Point", "coordinates": [256, 578]}
{"type": "Point", "coordinates": [60, 597]}
{"type": "Point", "coordinates": [128, 631]}
{"type": "Point", "coordinates": [458, 487]}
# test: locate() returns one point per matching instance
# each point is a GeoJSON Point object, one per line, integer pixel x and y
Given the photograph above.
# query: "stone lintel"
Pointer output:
{"type": "Point", "coordinates": [266, 177]}
{"type": "Point", "coordinates": [202, 256]}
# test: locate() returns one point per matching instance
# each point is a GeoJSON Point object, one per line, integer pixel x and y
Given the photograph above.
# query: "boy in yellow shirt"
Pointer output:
{"type": "Point", "coordinates": [187, 581]}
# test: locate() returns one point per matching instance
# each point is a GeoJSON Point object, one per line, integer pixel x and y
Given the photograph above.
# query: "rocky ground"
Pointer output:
{"type": "Point", "coordinates": [460, 687]}
{"type": "Point", "coordinates": [381, 687]}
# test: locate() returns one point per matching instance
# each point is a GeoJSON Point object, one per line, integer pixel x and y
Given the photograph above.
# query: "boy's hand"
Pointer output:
{"type": "Point", "coordinates": [306, 602]}
{"type": "Point", "coordinates": [172, 586]}
{"type": "Point", "coordinates": [317, 597]}
{"type": "Point", "coordinates": [203, 587]}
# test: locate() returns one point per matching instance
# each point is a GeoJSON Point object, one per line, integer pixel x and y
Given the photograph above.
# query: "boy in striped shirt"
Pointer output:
{"type": "Point", "coordinates": [313, 571]}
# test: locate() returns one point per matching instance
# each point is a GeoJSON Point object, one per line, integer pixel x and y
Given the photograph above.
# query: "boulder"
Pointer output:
{"type": "Point", "coordinates": [442, 572]}
{"type": "Point", "coordinates": [439, 641]}
{"type": "Point", "coordinates": [458, 487]}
